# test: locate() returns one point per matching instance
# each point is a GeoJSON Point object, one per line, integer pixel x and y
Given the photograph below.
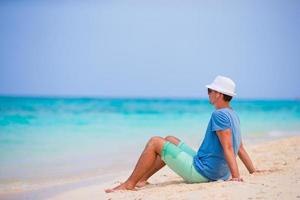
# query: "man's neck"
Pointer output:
{"type": "Point", "coordinates": [222, 104]}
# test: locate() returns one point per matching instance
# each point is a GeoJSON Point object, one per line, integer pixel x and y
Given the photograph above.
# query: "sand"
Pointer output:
{"type": "Point", "coordinates": [282, 156]}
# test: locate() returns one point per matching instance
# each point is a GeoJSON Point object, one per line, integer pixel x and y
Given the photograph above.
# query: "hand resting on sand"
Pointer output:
{"type": "Point", "coordinates": [262, 171]}
{"type": "Point", "coordinates": [236, 179]}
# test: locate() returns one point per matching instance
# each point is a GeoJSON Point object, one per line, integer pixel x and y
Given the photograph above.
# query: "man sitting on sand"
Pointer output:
{"type": "Point", "coordinates": [216, 157]}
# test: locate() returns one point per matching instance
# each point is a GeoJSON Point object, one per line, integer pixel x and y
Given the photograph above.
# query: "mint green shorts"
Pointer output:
{"type": "Point", "coordinates": [180, 159]}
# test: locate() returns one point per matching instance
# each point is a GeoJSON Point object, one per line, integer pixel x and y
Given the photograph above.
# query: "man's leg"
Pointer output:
{"type": "Point", "coordinates": [159, 163]}
{"type": "Point", "coordinates": [145, 163]}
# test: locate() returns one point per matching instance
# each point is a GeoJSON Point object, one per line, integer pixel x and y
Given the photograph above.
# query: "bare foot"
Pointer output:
{"type": "Point", "coordinates": [123, 186]}
{"type": "Point", "coordinates": [142, 184]}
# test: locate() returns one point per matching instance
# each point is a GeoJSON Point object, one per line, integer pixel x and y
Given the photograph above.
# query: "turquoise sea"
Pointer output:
{"type": "Point", "coordinates": [51, 140]}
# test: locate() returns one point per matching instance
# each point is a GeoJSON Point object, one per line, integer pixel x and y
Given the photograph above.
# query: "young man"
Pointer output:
{"type": "Point", "coordinates": [216, 157]}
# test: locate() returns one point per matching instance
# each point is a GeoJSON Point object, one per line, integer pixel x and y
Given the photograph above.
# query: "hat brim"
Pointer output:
{"type": "Point", "coordinates": [221, 90]}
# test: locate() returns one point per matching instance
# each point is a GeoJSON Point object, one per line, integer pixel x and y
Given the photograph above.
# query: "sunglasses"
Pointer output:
{"type": "Point", "coordinates": [209, 90]}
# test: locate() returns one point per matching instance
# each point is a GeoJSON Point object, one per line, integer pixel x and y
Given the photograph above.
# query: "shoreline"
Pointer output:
{"type": "Point", "coordinates": [48, 190]}
{"type": "Point", "coordinates": [266, 155]}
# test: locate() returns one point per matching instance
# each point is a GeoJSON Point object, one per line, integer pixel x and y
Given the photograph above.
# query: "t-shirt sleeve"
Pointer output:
{"type": "Point", "coordinates": [220, 121]}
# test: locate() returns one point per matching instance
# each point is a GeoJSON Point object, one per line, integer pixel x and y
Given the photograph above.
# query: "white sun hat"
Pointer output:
{"type": "Point", "coordinates": [223, 85]}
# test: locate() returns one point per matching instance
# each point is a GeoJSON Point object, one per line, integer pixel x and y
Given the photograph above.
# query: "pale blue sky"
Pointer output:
{"type": "Point", "coordinates": [156, 48]}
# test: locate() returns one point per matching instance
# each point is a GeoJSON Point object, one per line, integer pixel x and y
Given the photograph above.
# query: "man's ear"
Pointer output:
{"type": "Point", "coordinates": [220, 96]}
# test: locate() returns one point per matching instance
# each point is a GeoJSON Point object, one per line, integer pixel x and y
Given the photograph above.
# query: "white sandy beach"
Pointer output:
{"type": "Point", "coordinates": [282, 156]}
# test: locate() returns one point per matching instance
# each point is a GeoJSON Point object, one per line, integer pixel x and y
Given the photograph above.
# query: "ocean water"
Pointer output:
{"type": "Point", "coordinates": [51, 140]}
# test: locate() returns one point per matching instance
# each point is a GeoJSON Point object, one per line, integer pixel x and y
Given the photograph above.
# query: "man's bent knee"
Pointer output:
{"type": "Point", "coordinates": [172, 139]}
{"type": "Point", "coordinates": [156, 142]}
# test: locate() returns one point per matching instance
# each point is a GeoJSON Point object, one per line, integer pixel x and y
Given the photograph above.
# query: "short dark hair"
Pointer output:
{"type": "Point", "coordinates": [227, 97]}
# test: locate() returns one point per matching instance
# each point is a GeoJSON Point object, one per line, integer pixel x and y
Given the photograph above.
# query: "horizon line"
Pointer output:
{"type": "Point", "coordinates": [136, 97]}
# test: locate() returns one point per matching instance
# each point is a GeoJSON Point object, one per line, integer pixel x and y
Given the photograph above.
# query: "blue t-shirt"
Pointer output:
{"type": "Point", "coordinates": [210, 160]}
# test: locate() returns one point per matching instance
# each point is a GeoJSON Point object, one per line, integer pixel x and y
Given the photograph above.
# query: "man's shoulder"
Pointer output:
{"type": "Point", "coordinates": [221, 112]}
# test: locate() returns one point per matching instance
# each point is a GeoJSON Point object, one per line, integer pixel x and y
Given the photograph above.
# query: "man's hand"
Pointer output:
{"type": "Point", "coordinates": [262, 171]}
{"type": "Point", "coordinates": [237, 179]}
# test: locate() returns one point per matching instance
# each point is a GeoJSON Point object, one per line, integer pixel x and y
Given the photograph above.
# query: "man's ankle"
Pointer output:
{"type": "Point", "coordinates": [130, 185]}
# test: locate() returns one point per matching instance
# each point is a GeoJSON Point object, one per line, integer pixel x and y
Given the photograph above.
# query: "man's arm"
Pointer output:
{"type": "Point", "coordinates": [245, 158]}
{"type": "Point", "coordinates": [226, 142]}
